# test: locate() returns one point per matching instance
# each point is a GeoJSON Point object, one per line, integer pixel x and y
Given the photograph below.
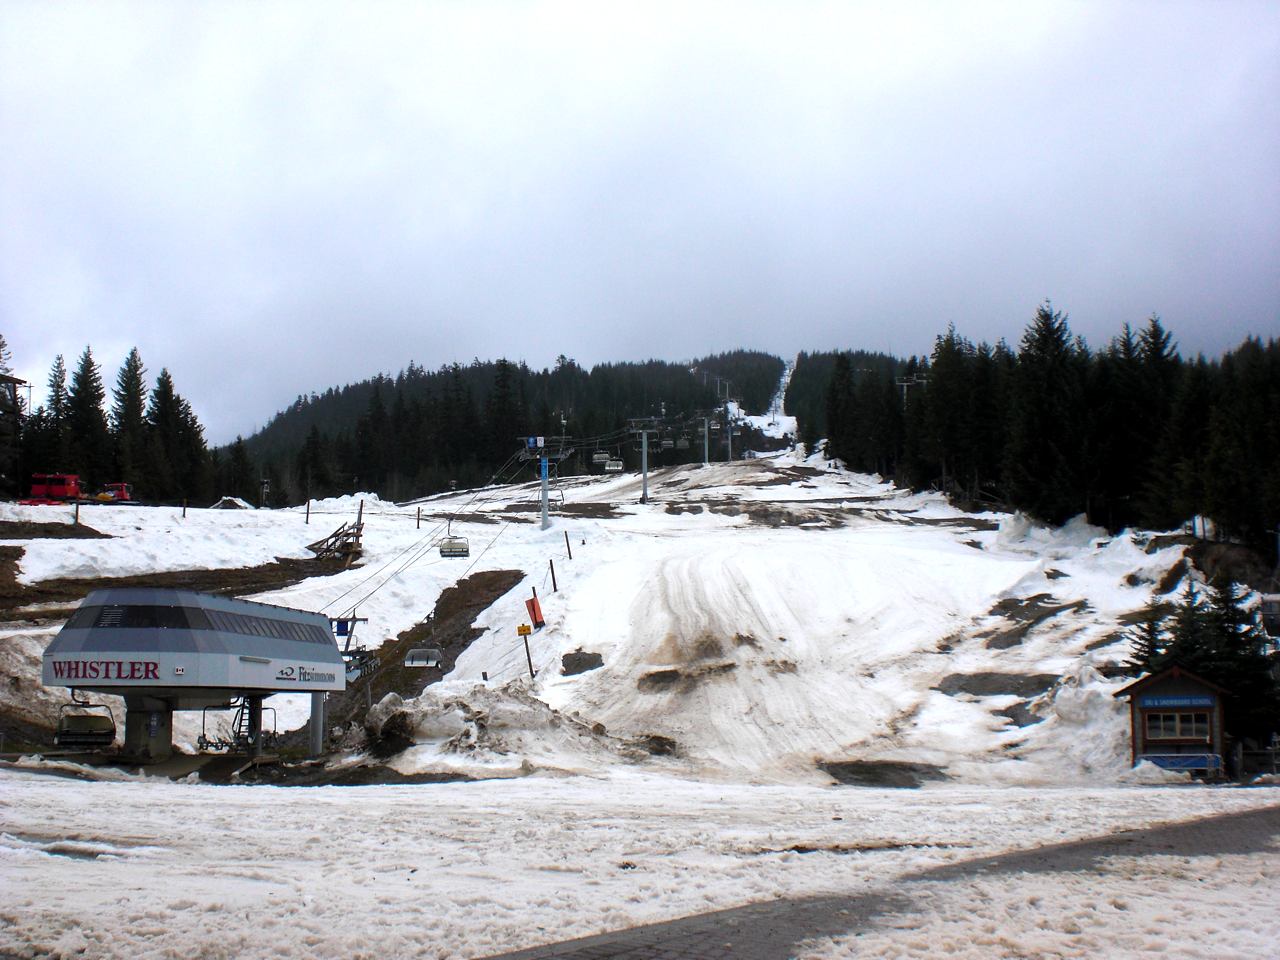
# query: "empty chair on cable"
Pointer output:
{"type": "Point", "coordinates": [668, 444]}
{"type": "Point", "coordinates": [451, 546]}
{"type": "Point", "coordinates": [600, 456]}
{"type": "Point", "coordinates": [79, 727]}
{"type": "Point", "coordinates": [682, 443]}
{"type": "Point", "coordinates": [613, 466]}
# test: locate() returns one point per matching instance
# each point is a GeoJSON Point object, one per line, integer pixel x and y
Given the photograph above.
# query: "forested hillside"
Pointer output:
{"type": "Point", "coordinates": [1129, 434]}
{"type": "Point", "coordinates": [422, 431]}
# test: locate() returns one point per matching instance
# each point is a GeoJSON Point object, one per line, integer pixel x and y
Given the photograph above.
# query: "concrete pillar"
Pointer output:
{"type": "Point", "coordinates": [316, 728]}
{"type": "Point", "coordinates": [148, 729]}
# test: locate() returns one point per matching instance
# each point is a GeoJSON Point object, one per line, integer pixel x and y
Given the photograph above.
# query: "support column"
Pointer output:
{"type": "Point", "coordinates": [644, 466]}
{"type": "Point", "coordinates": [316, 728]}
{"type": "Point", "coordinates": [254, 705]}
{"type": "Point", "coordinates": [148, 729]}
{"type": "Point", "coordinates": [546, 521]}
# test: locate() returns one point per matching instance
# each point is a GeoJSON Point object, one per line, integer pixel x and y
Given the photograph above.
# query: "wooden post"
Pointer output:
{"type": "Point", "coordinates": [570, 549]}
{"type": "Point", "coordinates": [528, 656]}
{"type": "Point", "coordinates": [308, 511]}
{"type": "Point", "coordinates": [76, 520]}
{"type": "Point", "coordinates": [419, 518]}
{"type": "Point", "coordinates": [535, 591]}
{"type": "Point", "coordinates": [184, 508]}
{"type": "Point", "coordinates": [554, 588]}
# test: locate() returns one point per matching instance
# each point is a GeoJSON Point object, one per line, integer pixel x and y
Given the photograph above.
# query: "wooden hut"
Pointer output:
{"type": "Point", "coordinates": [1176, 721]}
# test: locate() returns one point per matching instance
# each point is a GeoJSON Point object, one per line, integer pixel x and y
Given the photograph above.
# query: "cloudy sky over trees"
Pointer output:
{"type": "Point", "coordinates": [271, 198]}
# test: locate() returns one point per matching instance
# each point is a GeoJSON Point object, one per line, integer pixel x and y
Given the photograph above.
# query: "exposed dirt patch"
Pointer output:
{"type": "Point", "coordinates": [776, 515]}
{"type": "Point", "coordinates": [658, 680]}
{"type": "Point", "coordinates": [30, 530]}
{"type": "Point", "coordinates": [658, 746]}
{"type": "Point", "coordinates": [1027, 613]}
{"type": "Point", "coordinates": [682, 681]}
{"type": "Point", "coordinates": [1220, 562]}
{"type": "Point", "coordinates": [997, 684]}
{"type": "Point", "coordinates": [572, 664]}
{"type": "Point", "coordinates": [1020, 715]}
{"type": "Point", "coordinates": [1172, 577]}
{"type": "Point", "coordinates": [746, 640]}
{"type": "Point", "coordinates": [881, 773]}
{"type": "Point", "coordinates": [708, 648]}
{"type": "Point", "coordinates": [1107, 641]}
{"type": "Point", "coordinates": [1134, 617]}
{"type": "Point", "coordinates": [1052, 574]}
{"type": "Point", "coordinates": [448, 628]}
{"type": "Point", "coordinates": [588, 511]}
{"type": "Point", "coordinates": [283, 572]}
{"type": "Point", "coordinates": [680, 508]}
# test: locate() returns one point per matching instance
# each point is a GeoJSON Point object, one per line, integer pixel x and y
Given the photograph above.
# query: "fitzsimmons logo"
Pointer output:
{"type": "Point", "coordinates": [106, 670]}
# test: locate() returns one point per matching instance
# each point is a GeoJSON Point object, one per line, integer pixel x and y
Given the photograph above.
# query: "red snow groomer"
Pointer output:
{"type": "Point", "coordinates": [54, 488]}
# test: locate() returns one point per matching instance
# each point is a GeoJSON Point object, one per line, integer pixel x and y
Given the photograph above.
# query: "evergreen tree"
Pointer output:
{"type": "Point", "coordinates": [90, 439]}
{"type": "Point", "coordinates": [59, 430]}
{"type": "Point", "coordinates": [841, 423]}
{"type": "Point", "coordinates": [1149, 640]}
{"type": "Point", "coordinates": [178, 460]}
{"type": "Point", "coordinates": [241, 478]}
{"type": "Point", "coordinates": [129, 421]}
{"type": "Point", "coordinates": [10, 427]}
{"type": "Point", "coordinates": [1042, 460]}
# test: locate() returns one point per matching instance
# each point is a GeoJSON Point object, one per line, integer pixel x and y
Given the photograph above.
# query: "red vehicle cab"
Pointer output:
{"type": "Point", "coordinates": [54, 488]}
{"type": "Point", "coordinates": [117, 493]}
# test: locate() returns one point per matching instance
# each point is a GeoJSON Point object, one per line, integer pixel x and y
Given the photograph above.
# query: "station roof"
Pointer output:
{"type": "Point", "coordinates": [182, 640]}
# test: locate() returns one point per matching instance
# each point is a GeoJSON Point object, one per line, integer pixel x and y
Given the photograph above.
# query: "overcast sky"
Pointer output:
{"type": "Point", "coordinates": [273, 198]}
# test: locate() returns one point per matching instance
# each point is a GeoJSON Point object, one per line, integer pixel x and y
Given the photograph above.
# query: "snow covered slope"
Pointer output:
{"type": "Point", "coordinates": [757, 619]}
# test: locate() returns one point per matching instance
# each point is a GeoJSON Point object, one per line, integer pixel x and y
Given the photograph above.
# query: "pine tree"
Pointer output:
{"type": "Point", "coordinates": [1149, 639]}
{"type": "Point", "coordinates": [178, 460]}
{"type": "Point", "coordinates": [841, 411]}
{"type": "Point", "coordinates": [87, 423]}
{"type": "Point", "coordinates": [1043, 457]}
{"type": "Point", "coordinates": [59, 431]}
{"type": "Point", "coordinates": [241, 478]}
{"type": "Point", "coordinates": [1193, 637]}
{"type": "Point", "coordinates": [129, 421]}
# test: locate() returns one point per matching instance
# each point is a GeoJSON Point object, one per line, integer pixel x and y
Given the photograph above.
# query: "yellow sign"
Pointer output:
{"type": "Point", "coordinates": [524, 630]}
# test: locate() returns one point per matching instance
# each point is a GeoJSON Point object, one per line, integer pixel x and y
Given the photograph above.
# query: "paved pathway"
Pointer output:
{"type": "Point", "coordinates": [770, 931]}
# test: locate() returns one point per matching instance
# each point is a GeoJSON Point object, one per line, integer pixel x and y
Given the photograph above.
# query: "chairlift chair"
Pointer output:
{"type": "Point", "coordinates": [682, 443]}
{"type": "Point", "coordinates": [452, 547]}
{"type": "Point", "coordinates": [85, 729]}
{"type": "Point", "coordinates": [424, 657]}
{"type": "Point", "coordinates": [668, 444]}
{"type": "Point", "coordinates": [600, 456]}
{"type": "Point", "coordinates": [613, 466]}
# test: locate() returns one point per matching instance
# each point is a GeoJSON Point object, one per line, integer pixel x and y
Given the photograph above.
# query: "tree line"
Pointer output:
{"type": "Point", "coordinates": [148, 435]}
{"type": "Point", "coordinates": [1130, 434]}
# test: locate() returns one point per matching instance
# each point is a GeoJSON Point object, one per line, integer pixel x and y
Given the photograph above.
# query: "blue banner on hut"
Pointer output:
{"type": "Point", "coordinates": [1176, 721]}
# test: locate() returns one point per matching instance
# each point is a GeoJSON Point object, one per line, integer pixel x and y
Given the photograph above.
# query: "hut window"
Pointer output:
{"type": "Point", "coordinates": [1177, 726]}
